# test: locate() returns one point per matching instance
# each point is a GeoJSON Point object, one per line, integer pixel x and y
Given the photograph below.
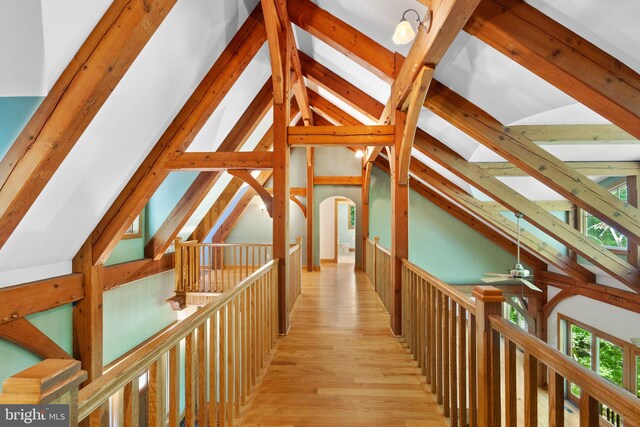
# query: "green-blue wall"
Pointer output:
{"type": "Point", "coordinates": [15, 112]}
{"type": "Point", "coordinates": [438, 242]}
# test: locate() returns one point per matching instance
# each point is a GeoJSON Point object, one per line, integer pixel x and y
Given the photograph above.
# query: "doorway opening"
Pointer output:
{"type": "Point", "coordinates": [338, 230]}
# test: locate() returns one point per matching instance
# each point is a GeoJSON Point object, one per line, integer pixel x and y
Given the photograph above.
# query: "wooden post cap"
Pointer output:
{"type": "Point", "coordinates": [376, 239]}
{"type": "Point", "coordinates": [488, 294]}
{"type": "Point", "coordinates": [299, 240]}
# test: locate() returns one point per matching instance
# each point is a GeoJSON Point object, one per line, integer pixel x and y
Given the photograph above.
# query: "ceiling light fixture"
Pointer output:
{"type": "Point", "coordinates": [404, 32]}
{"type": "Point", "coordinates": [360, 153]}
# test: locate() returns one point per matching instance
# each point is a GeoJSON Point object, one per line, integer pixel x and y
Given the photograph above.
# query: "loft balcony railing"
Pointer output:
{"type": "Point", "coordinates": [467, 352]}
{"type": "Point", "coordinates": [202, 371]}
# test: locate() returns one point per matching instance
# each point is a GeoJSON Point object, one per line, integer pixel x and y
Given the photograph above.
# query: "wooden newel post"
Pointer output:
{"type": "Point", "coordinates": [489, 302]}
{"type": "Point", "coordinates": [177, 261]}
{"type": "Point", "coordinates": [52, 381]}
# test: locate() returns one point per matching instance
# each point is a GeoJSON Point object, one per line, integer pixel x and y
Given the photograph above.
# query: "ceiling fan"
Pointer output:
{"type": "Point", "coordinates": [516, 273]}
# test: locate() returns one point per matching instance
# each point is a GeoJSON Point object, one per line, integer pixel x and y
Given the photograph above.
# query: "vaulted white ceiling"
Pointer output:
{"type": "Point", "coordinates": [42, 36]}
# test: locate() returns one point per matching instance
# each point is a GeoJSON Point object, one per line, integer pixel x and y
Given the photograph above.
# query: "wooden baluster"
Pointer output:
{"type": "Point", "coordinates": [178, 263]}
{"type": "Point", "coordinates": [406, 334]}
{"type": "Point", "coordinates": [190, 380]}
{"type": "Point", "coordinates": [245, 346]}
{"type": "Point", "coordinates": [156, 397]}
{"type": "Point", "coordinates": [421, 324]}
{"type": "Point", "coordinates": [446, 313]}
{"type": "Point", "coordinates": [174, 386]}
{"type": "Point", "coordinates": [237, 324]}
{"type": "Point", "coordinates": [530, 390]}
{"type": "Point", "coordinates": [473, 373]}
{"type": "Point", "coordinates": [428, 325]}
{"type": "Point", "coordinates": [589, 414]}
{"type": "Point", "coordinates": [433, 340]}
{"type": "Point", "coordinates": [453, 369]}
{"type": "Point", "coordinates": [261, 325]}
{"type": "Point", "coordinates": [414, 318]}
{"type": "Point", "coordinates": [231, 363]}
{"type": "Point", "coordinates": [131, 404]}
{"type": "Point", "coordinates": [254, 337]}
{"type": "Point", "coordinates": [462, 366]}
{"type": "Point", "coordinates": [439, 349]}
{"type": "Point", "coordinates": [488, 302]}
{"type": "Point", "coordinates": [556, 399]}
{"type": "Point", "coordinates": [223, 270]}
{"type": "Point", "coordinates": [510, 386]}
{"type": "Point", "coordinates": [185, 268]}
{"type": "Point", "coordinates": [202, 376]}
{"type": "Point", "coordinates": [213, 369]}
{"type": "Point", "coordinates": [223, 366]}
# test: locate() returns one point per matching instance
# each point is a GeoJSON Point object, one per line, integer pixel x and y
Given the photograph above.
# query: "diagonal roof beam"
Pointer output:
{"type": "Point", "coordinates": [545, 221]}
{"type": "Point", "coordinates": [561, 57]}
{"type": "Point", "coordinates": [179, 135]}
{"type": "Point", "coordinates": [534, 160]}
{"type": "Point", "coordinates": [205, 181]}
{"type": "Point", "coordinates": [72, 103]}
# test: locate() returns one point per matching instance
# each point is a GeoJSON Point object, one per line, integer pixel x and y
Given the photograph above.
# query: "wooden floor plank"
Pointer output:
{"type": "Point", "coordinates": [340, 364]}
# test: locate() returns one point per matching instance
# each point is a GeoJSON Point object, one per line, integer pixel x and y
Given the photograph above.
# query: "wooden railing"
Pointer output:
{"type": "Point", "coordinates": [225, 346]}
{"type": "Point", "coordinates": [295, 275]}
{"type": "Point", "coordinates": [378, 269]}
{"type": "Point", "coordinates": [216, 268]}
{"type": "Point", "coordinates": [456, 344]}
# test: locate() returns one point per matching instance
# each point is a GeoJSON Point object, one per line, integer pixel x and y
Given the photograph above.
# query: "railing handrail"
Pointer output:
{"type": "Point", "coordinates": [294, 248]}
{"type": "Point", "coordinates": [621, 400]}
{"type": "Point", "coordinates": [95, 394]}
{"type": "Point", "coordinates": [383, 249]}
{"type": "Point", "coordinates": [443, 287]}
{"type": "Point", "coordinates": [224, 245]}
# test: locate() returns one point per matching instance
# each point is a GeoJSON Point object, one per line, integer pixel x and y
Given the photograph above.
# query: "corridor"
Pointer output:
{"type": "Point", "coordinates": [340, 365]}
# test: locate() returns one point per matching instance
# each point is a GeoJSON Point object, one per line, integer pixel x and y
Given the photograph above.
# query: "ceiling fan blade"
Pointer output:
{"type": "Point", "coordinates": [497, 274]}
{"type": "Point", "coordinates": [495, 279]}
{"type": "Point", "coordinates": [530, 285]}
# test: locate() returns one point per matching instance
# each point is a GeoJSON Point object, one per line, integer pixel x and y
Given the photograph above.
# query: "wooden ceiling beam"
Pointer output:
{"type": "Point", "coordinates": [179, 135]}
{"type": "Point", "coordinates": [24, 334]}
{"type": "Point", "coordinates": [585, 168]}
{"type": "Point", "coordinates": [561, 57]}
{"type": "Point", "coordinates": [221, 161]}
{"type": "Point", "coordinates": [428, 48]}
{"type": "Point", "coordinates": [547, 205]}
{"type": "Point", "coordinates": [274, 33]}
{"type": "Point", "coordinates": [534, 160]}
{"type": "Point", "coordinates": [342, 37]}
{"type": "Point", "coordinates": [575, 134]}
{"type": "Point", "coordinates": [498, 222]}
{"type": "Point", "coordinates": [294, 191]}
{"type": "Point", "coordinates": [72, 103]}
{"type": "Point", "coordinates": [340, 136]}
{"type": "Point", "coordinates": [205, 181]}
{"type": "Point", "coordinates": [545, 221]}
{"type": "Point", "coordinates": [297, 201]}
{"type": "Point", "coordinates": [472, 221]}
{"type": "Point", "coordinates": [337, 180]}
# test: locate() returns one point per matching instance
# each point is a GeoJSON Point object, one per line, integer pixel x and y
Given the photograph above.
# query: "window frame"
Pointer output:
{"type": "Point", "coordinates": [630, 364]}
{"type": "Point", "coordinates": [583, 214]}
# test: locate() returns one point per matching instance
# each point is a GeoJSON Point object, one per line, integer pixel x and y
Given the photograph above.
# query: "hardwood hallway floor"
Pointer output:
{"type": "Point", "coordinates": [340, 365]}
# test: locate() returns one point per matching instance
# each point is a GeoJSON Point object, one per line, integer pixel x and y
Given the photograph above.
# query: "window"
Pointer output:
{"type": "Point", "coordinates": [602, 233]}
{"type": "Point", "coordinates": [613, 359]}
{"type": "Point", "coordinates": [512, 314]}
{"type": "Point", "coordinates": [134, 230]}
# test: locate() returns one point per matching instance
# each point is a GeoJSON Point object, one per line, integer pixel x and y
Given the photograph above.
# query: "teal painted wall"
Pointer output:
{"type": "Point", "coordinates": [15, 112]}
{"type": "Point", "coordinates": [55, 323]}
{"type": "Point", "coordinates": [438, 242]}
{"type": "Point", "coordinates": [135, 312]}
{"type": "Point", "coordinates": [130, 249]}
{"type": "Point", "coordinates": [166, 198]}
{"type": "Point", "coordinates": [345, 234]}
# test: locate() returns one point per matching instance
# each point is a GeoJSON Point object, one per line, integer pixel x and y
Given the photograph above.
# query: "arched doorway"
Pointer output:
{"type": "Point", "coordinates": [337, 230]}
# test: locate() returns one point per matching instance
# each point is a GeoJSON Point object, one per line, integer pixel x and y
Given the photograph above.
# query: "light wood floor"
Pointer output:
{"type": "Point", "coordinates": [340, 365]}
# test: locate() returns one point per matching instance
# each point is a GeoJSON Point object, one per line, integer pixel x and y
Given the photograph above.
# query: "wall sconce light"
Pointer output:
{"type": "Point", "coordinates": [404, 32]}
{"type": "Point", "coordinates": [360, 153]}
{"type": "Point", "coordinates": [263, 208]}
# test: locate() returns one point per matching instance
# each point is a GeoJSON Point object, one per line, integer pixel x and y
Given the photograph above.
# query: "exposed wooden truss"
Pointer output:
{"type": "Point", "coordinates": [120, 274]}
{"type": "Point", "coordinates": [337, 136]}
{"type": "Point", "coordinates": [536, 161]}
{"type": "Point", "coordinates": [561, 57]}
{"type": "Point", "coordinates": [542, 219]}
{"type": "Point", "coordinates": [194, 114]}
{"type": "Point", "coordinates": [221, 161]}
{"type": "Point", "coordinates": [72, 103]}
{"type": "Point", "coordinates": [575, 134]}
{"type": "Point", "coordinates": [205, 181]}
{"type": "Point", "coordinates": [337, 180]}
{"type": "Point", "coordinates": [585, 168]}
{"type": "Point", "coordinates": [266, 197]}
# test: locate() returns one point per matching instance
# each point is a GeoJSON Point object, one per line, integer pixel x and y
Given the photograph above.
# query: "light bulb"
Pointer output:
{"type": "Point", "coordinates": [404, 33]}
{"type": "Point", "coordinates": [359, 153]}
